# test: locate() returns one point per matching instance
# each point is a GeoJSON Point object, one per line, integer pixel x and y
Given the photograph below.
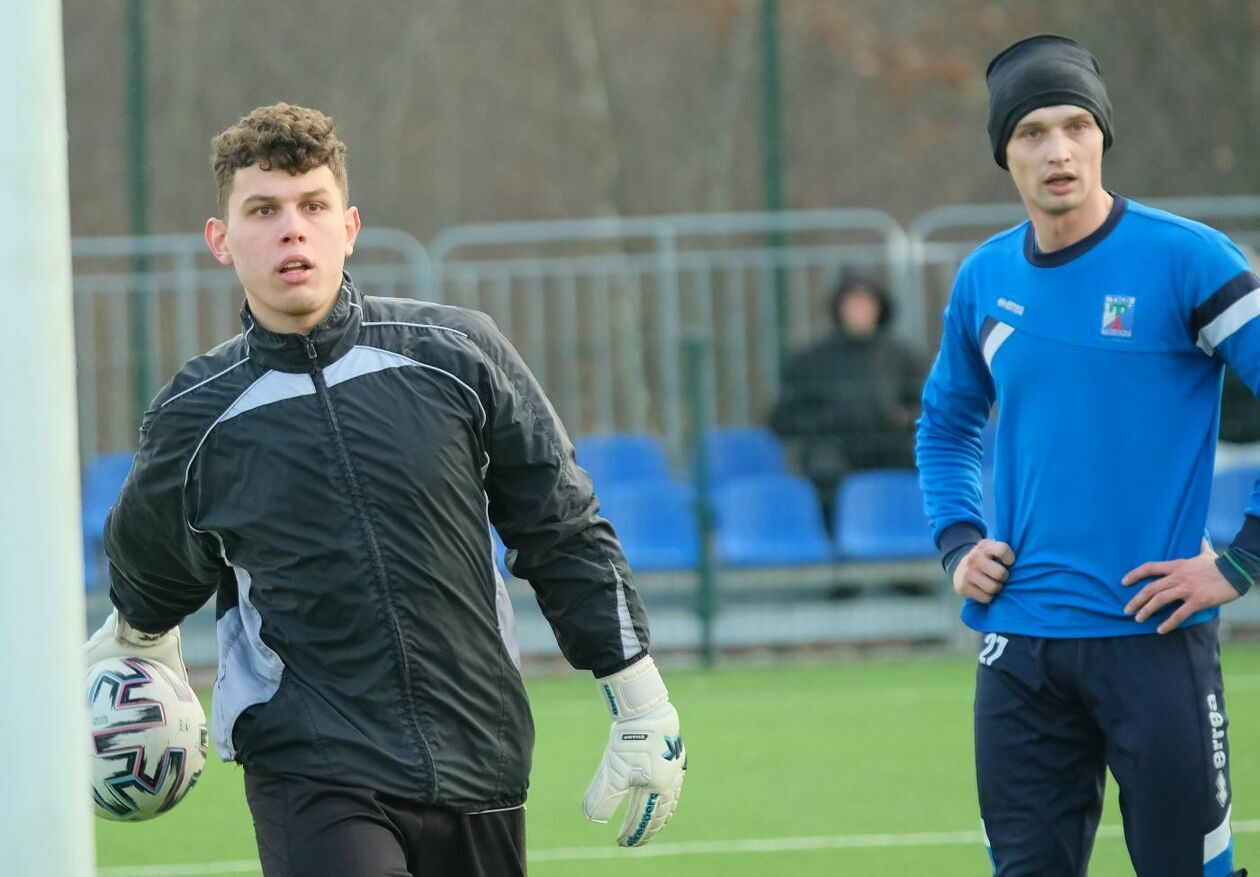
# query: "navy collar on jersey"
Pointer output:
{"type": "Point", "coordinates": [333, 337]}
{"type": "Point", "coordinates": [1074, 251]}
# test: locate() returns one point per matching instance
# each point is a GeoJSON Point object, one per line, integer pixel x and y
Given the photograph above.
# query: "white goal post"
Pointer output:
{"type": "Point", "coordinates": [45, 814]}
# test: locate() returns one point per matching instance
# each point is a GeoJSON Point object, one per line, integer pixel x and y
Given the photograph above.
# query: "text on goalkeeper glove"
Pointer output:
{"type": "Point", "coordinates": [645, 759]}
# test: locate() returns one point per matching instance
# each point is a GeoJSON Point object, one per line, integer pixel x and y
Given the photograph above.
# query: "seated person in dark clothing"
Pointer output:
{"type": "Point", "coordinates": [850, 401]}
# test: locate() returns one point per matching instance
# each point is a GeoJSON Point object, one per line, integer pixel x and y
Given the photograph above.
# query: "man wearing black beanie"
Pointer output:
{"type": "Point", "coordinates": [1100, 329]}
{"type": "Point", "coordinates": [1040, 72]}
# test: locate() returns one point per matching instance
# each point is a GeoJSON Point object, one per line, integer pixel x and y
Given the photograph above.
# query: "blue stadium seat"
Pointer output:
{"type": "Point", "coordinates": [102, 481]}
{"type": "Point", "coordinates": [1231, 494]}
{"type": "Point", "coordinates": [735, 453]}
{"type": "Point", "coordinates": [879, 514]}
{"type": "Point", "coordinates": [770, 520]}
{"type": "Point", "coordinates": [621, 458]}
{"type": "Point", "coordinates": [655, 522]}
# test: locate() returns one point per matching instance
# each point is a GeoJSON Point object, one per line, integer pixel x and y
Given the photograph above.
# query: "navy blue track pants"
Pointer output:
{"type": "Point", "coordinates": [1052, 715]}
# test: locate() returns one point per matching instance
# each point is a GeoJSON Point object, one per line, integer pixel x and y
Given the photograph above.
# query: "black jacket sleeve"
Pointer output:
{"type": "Point", "coordinates": [544, 507]}
{"type": "Point", "coordinates": [160, 569]}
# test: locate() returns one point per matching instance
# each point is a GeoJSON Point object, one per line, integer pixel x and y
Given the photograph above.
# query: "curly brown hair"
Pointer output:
{"type": "Point", "coordinates": [291, 138]}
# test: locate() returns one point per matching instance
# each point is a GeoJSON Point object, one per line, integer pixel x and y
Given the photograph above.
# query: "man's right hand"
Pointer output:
{"type": "Point", "coordinates": [645, 759]}
{"type": "Point", "coordinates": [118, 639]}
{"type": "Point", "coordinates": [983, 571]}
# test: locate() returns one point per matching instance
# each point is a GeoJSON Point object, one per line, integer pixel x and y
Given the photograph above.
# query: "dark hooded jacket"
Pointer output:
{"type": "Point", "coordinates": [851, 402]}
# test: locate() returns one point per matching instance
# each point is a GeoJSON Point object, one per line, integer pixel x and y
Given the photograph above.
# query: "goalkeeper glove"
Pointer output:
{"type": "Point", "coordinates": [118, 639]}
{"type": "Point", "coordinates": [645, 757]}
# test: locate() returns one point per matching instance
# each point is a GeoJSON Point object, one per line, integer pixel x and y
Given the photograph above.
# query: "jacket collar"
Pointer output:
{"type": "Point", "coordinates": [333, 336]}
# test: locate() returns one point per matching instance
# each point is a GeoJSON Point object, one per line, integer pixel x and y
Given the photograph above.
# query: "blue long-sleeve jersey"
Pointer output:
{"type": "Point", "coordinates": [1105, 360]}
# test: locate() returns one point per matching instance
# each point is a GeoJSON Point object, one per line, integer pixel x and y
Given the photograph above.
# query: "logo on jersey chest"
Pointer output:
{"type": "Point", "coordinates": [1117, 316]}
{"type": "Point", "coordinates": [1013, 306]}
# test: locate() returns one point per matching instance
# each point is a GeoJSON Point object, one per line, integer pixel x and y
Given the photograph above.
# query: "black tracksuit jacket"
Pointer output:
{"type": "Point", "coordinates": [333, 489]}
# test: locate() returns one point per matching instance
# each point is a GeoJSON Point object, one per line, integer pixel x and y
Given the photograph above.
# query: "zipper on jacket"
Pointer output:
{"type": "Point", "coordinates": [378, 561]}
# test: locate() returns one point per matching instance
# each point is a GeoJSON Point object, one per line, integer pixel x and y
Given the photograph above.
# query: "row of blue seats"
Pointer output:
{"type": "Point", "coordinates": [771, 520]}
{"type": "Point", "coordinates": [774, 520]}
{"type": "Point", "coordinates": [764, 516]}
{"type": "Point", "coordinates": [731, 453]}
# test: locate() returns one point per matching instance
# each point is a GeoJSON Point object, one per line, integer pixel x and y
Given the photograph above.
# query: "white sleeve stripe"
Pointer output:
{"type": "Point", "coordinates": [416, 326]}
{"type": "Point", "coordinates": [630, 645]}
{"type": "Point", "coordinates": [1217, 840]}
{"type": "Point", "coordinates": [1233, 318]}
{"type": "Point", "coordinates": [996, 338]}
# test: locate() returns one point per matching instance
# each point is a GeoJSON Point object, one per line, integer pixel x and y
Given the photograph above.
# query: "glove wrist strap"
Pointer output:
{"type": "Point", "coordinates": [634, 691]}
{"type": "Point", "coordinates": [125, 633]}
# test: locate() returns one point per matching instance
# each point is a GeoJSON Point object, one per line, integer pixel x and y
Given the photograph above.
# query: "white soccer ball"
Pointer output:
{"type": "Point", "coordinates": [148, 738]}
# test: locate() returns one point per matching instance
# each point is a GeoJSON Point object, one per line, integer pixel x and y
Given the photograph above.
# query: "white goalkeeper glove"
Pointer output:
{"type": "Point", "coordinates": [645, 758]}
{"type": "Point", "coordinates": [118, 639]}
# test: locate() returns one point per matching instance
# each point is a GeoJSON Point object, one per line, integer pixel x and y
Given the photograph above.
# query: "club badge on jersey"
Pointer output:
{"type": "Point", "coordinates": [1117, 316]}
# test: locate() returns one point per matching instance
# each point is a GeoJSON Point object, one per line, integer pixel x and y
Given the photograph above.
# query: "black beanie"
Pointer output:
{"type": "Point", "coordinates": [1043, 71]}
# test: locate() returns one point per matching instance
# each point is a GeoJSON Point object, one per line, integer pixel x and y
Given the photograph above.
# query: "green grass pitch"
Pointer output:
{"type": "Point", "coordinates": [860, 768]}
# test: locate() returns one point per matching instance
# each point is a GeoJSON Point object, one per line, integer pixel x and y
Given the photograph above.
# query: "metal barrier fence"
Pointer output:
{"type": "Point", "coordinates": [599, 307]}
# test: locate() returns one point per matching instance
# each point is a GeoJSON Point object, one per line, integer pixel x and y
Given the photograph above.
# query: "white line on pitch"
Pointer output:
{"type": "Point", "coordinates": [194, 869]}
{"type": "Point", "coordinates": [681, 848]}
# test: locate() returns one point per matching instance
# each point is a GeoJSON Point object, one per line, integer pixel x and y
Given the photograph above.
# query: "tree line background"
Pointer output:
{"type": "Point", "coordinates": [462, 111]}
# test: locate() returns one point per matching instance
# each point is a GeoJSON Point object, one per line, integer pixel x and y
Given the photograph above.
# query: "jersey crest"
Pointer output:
{"type": "Point", "coordinates": [1117, 316]}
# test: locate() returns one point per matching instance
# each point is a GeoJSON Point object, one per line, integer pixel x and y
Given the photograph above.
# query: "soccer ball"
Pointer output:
{"type": "Point", "coordinates": [148, 738]}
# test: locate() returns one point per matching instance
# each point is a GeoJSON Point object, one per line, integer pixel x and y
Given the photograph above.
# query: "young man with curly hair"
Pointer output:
{"type": "Point", "coordinates": [331, 475]}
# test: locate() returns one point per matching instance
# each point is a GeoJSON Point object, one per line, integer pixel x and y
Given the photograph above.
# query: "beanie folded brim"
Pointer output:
{"type": "Point", "coordinates": [1053, 98]}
